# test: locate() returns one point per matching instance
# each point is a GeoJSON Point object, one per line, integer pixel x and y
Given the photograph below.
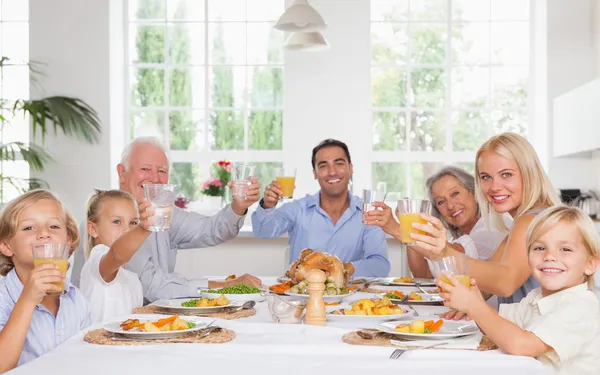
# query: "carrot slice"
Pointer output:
{"type": "Point", "coordinates": [162, 322]}
{"type": "Point", "coordinates": [435, 326]}
{"type": "Point", "coordinates": [428, 324]}
{"type": "Point", "coordinates": [399, 294]}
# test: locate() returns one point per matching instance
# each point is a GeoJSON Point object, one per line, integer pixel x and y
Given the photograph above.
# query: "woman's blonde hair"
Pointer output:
{"type": "Point", "coordinates": [93, 210]}
{"type": "Point", "coordinates": [9, 222]}
{"type": "Point", "coordinates": [552, 217]}
{"type": "Point", "coordinates": [537, 189]}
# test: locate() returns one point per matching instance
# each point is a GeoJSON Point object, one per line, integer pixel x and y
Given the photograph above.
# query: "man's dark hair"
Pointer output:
{"type": "Point", "coordinates": [330, 142]}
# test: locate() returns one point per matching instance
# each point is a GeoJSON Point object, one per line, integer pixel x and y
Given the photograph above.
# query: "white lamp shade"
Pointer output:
{"type": "Point", "coordinates": [301, 41]}
{"type": "Point", "coordinates": [301, 16]}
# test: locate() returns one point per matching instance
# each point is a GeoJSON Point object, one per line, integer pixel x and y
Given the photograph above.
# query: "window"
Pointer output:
{"type": "Point", "coordinates": [207, 78]}
{"type": "Point", "coordinates": [14, 84]}
{"type": "Point", "coordinates": [445, 76]}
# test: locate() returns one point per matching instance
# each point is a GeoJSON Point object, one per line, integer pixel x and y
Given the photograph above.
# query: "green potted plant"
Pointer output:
{"type": "Point", "coordinates": [71, 116]}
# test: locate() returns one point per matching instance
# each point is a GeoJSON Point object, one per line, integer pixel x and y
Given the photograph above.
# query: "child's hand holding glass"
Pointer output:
{"type": "Point", "coordinates": [457, 295]}
{"type": "Point", "coordinates": [145, 214]}
{"type": "Point", "coordinates": [42, 280]}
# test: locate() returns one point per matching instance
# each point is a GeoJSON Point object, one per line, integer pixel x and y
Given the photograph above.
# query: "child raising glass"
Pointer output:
{"type": "Point", "coordinates": [559, 322]}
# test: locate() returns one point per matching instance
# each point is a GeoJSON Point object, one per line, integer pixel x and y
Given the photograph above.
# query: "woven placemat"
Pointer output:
{"type": "Point", "coordinates": [383, 339]}
{"type": "Point", "coordinates": [150, 309]}
{"type": "Point", "coordinates": [103, 337]}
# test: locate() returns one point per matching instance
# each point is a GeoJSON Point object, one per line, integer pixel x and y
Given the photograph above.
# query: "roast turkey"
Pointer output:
{"type": "Point", "coordinates": [336, 271]}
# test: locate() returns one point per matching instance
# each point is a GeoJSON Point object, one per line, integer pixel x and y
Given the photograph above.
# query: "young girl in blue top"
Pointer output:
{"type": "Point", "coordinates": [31, 322]}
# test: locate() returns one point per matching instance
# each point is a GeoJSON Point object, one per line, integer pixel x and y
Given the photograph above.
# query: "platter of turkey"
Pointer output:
{"type": "Point", "coordinates": [337, 272]}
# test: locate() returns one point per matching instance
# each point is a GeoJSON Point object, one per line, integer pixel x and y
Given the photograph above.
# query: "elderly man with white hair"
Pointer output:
{"type": "Point", "coordinates": [144, 161]}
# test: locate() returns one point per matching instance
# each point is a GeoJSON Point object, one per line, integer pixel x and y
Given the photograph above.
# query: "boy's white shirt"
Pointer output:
{"type": "Point", "coordinates": [113, 299]}
{"type": "Point", "coordinates": [567, 321]}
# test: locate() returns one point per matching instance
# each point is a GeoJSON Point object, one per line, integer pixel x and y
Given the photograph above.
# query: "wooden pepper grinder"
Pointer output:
{"type": "Point", "coordinates": [315, 310]}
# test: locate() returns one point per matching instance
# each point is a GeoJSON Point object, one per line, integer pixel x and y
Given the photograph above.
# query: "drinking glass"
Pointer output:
{"type": "Point", "coordinates": [286, 178]}
{"type": "Point", "coordinates": [456, 265]}
{"type": "Point", "coordinates": [241, 175]}
{"type": "Point", "coordinates": [370, 196]}
{"type": "Point", "coordinates": [56, 253]}
{"type": "Point", "coordinates": [409, 212]}
{"type": "Point", "coordinates": [161, 198]}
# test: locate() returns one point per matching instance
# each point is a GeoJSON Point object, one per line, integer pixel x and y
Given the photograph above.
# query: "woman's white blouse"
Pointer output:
{"type": "Point", "coordinates": [109, 300]}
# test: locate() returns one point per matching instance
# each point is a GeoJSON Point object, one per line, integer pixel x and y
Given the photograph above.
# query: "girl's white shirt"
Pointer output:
{"type": "Point", "coordinates": [112, 299]}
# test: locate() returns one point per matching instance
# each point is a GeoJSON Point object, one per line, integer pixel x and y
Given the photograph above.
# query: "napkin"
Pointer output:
{"type": "Point", "coordinates": [470, 342]}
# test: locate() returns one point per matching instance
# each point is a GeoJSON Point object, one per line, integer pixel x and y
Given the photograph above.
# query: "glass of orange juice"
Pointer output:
{"type": "Point", "coordinates": [56, 253]}
{"type": "Point", "coordinates": [456, 265]}
{"type": "Point", "coordinates": [286, 178]}
{"type": "Point", "coordinates": [409, 212]}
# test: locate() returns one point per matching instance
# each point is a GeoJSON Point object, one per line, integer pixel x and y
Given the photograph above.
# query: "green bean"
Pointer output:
{"type": "Point", "coordinates": [242, 288]}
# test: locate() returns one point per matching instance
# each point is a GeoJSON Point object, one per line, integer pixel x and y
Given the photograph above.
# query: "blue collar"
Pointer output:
{"type": "Point", "coordinates": [14, 286]}
{"type": "Point", "coordinates": [315, 200]}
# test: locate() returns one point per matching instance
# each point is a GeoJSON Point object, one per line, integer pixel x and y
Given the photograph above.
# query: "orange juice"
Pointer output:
{"type": "Point", "coordinates": [406, 227]}
{"type": "Point", "coordinates": [463, 279]}
{"type": "Point", "coordinates": [62, 264]}
{"type": "Point", "coordinates": [287, 185]}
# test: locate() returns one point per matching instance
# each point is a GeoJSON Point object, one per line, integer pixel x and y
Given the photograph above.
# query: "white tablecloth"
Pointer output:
{"type": "Point", "coordinates": [263, 347]}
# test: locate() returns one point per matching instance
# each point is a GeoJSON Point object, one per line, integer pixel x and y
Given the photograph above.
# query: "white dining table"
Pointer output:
{"type": "Point", "coordinates": [264, 347]}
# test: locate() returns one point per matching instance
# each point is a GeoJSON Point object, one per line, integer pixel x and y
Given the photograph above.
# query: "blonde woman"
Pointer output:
{"type": "Point", "coordinates": [509, 179]}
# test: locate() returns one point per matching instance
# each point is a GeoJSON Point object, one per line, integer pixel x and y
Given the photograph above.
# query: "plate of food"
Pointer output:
{"type": "Point", "coordinates": [373, 309]}
{"type": "Point", "coordinates": [414, 298]}
{"type": "Point", "coordinates": [195, 305]}
{"type": "Point", "coordinates": [430, 329]}
{"type": "Point", "coordinates": [405, 281]}
{"type": "Point", "coordinates": [332, 292]}
{"type": "Point", "coordinates": [239, 293]}
{"type": "Point", "coordinates": [154, 326]}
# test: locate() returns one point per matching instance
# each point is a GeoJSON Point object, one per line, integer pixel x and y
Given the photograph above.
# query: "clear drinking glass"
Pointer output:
{"type": "Point", "coordinates": [161, 198]}
{"type": "Point", "coordinates": [370, 196]}
{"type": "Point", "coordinates": [241, 174]}
{"type": "Point", "coordinates": [456, 265]}
{"type": "Point", "coordinates": [56, 253]}
{"type": "Point", "coordinates": [286, 178]}
{"type": "Point", "coordinates": [409, 212]}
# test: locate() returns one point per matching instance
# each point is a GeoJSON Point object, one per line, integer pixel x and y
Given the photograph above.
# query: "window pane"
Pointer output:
{"type": "Point", "coordinates": [428, 43]}
{"type": "Point", "coordinates": [265, 130]}
{"type": "Point", "coordinates": [146, 9]}
{"type": "Point", "coordinates": [266, 87]}
{"type": "Point", "coordinates": [428, 10]}
{"type": "Point", "coordinates": [393, 174]}
{"type": "Point", "coordinates": [226, 10]}
{"type": "Point", "coordinates": [15, 82]}
{"type": "Point", "coordinates": [186, 43]}
{"type": "Point", "coordinates": [510, 43]}
{"type": "Point", "coordinates": [186, 130]}
{"type": "Point", "coordinates": [264, 10]}
{"type": "Point", "coordinates": [227, 86]}
{"type": "Point", "coordinates": [470, 87]}
{"type": "Point", "coordinates": [389, 131]}
{"type": "Point", "coordinates": [15, 10]}
{"type": "Point", "coordinates": [147, 87]}
{"type": "Point", "coordinates": [389, 87]}
{"type": "Point", "coordinates": [428, 87]}
{"type": "Point", "coordinates": [15, 128]}
{"type": "Point", "coordinates": [188, 10]}
{"type": "Point", "coordinates": [147, 124]}
{"type": "Point", "coordinates": [469, 167]}
{"type": "Point", "coordinates": [266, 173]}
{"type": "Point", "coordinates": [188, 177]}
{"type": "Point", "coordinates": [469, 130]}
{"type": "Point", "coordinates": [226, 130]}
{"type": "Point", "coordinates": [389, 43]}
{"type": "Point", "coordinates": [471, 43]}
{"type": "Point", "coordinates": [265, 44]}
{"type": "Point", "coordinates": [509, 87]}
{"type": "Point", "coordinates": [147, 43]}
{"type": "Point", "coordinates": [186, 87]}
{"type": "Point", "coordinates": [510, 10]}
{"type": "Point", "coordinates": [14, 175]}
{"type": "Point", "coordinates": [389, 10]}
{"type": "Point", "coordinates": [514, 121]}
{"type": "Point", "coordinates": [427, 131]}
{"type": "Point", "coordinates": [471, 10]}
{"type": "Point", "coordinates": [15, 41]}
{"type": "Point", "coordinates": [227, 43]}
{"type": "Point", "coordinates": [419, 172]}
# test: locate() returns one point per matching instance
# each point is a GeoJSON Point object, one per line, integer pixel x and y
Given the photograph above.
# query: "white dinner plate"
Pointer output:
{"type": "Point", "coordinates": [390, 281]}
{"type": "Point", "coordinates": [336, 298]}
{"type": "Point", "coordinates": [236, 297]}
{"type": "Point", "coordinates": [175, 306]}
{"type": "Point", "coordinates": [448, 330]}
{"type": "Point", "coordinates": [333, 317]}
{"type": "Point", "coordinates": [115, 327]}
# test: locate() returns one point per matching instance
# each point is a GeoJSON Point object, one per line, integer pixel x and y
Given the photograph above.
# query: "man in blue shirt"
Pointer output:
{"type": "Point", "coordinates": [330, 220]}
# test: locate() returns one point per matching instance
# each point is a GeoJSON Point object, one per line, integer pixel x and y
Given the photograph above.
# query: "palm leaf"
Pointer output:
{"type": "Point", "coordinates": [73, 116]}
{"type": "Point", "coordinates": [34, 155]}
{"type": "Point", "coordinates": [23, 184]}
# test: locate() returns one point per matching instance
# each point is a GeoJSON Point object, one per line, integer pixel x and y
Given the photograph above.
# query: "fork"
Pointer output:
{"type": "Point", "coordinates": [405, 299]}
{"type": "Point", "coordinates": [398, 352]}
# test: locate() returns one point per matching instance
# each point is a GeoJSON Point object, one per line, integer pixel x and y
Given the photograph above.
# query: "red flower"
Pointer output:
{"type": "Point", "coordinates": [220, 163]}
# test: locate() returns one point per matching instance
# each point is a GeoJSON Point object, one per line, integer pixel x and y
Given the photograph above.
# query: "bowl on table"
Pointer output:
{"type": "Point", "coordinates": [284, 309]}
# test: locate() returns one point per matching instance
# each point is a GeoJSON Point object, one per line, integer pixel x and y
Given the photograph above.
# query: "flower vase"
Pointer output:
{"type": "Point", "coordinates": [211, 203]}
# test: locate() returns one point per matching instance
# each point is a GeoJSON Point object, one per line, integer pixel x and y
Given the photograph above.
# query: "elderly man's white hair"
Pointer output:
{"type": "Point", "coordinates": [126, 155]}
